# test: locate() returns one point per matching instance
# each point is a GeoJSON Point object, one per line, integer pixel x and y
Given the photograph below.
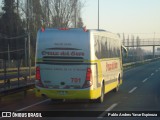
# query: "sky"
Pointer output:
{"type": "Point", "coordinates": [124, 16]}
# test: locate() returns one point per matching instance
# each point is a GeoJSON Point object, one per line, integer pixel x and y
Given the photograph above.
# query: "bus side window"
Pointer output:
{"type": "Point", "coordinates": [124, 51]}
{"type": "Point", "coordinates": [97, 47]}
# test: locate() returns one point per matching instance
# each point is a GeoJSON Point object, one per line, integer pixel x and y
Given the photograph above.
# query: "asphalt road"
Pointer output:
{"type": "Point", "coordinates": [140, 91]}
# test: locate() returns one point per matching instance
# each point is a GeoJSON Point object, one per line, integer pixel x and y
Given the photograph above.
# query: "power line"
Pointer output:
{"type": "Point", "coordinates": [13, 51]}
{"type": "Point", "coordinates": [10, 38]}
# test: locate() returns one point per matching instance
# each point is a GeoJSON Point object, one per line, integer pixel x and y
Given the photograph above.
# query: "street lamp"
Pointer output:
{"type": "Point", "coordinates": [98, 14]}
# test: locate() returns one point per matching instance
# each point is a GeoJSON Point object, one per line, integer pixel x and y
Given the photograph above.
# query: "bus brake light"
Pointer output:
{"type": "Point", "coordinates": [38, 76]}
{"type": "Point", "coordinates": [88, 81]}
{"type": "Point", "coordinates": [88, 74]}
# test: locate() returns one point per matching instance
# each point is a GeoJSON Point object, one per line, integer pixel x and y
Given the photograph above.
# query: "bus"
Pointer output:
{"type": "Point", "coordinates": [77, 63]}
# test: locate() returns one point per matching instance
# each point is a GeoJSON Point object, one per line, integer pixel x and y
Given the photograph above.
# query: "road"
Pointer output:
{"type": "Point", "coordinates": [140, 91]}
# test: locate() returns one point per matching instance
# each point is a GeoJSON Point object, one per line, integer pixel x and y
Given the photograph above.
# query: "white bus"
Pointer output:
{"type": "Point", "coordinates": [77, 63]}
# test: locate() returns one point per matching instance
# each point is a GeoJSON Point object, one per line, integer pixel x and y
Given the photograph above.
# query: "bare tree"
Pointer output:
{"type": "Point", "coordinates": [63, 12]}
{"type": "Point", "coordinates": [80, 23]}
{"type": "Point", "coordinates": [46, 13]}
{"type": "Point", "coordinates": [55, 13]}
{"type": "Point", "coordinates": [123, 38]}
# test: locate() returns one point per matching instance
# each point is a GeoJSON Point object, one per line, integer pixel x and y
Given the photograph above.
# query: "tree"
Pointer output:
{"type": "Point", "coordinates": [34, 20]}
{"type": "Point", "coordinates": [124, 39]}
{"type": "Point", "coordinates": [65, 12]}
{"type": "Point", "coordinates": [11, 30]}
{"type": "Point", "coordinates": [80, 23]}
{"type": "Point", "coordinates": [23, 14]}
{"type": "Point", "coordinates": [45, 6]}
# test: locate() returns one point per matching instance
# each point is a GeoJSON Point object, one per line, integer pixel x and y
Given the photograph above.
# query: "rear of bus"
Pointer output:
{"type": "Point", "coordinates": [63, 68]}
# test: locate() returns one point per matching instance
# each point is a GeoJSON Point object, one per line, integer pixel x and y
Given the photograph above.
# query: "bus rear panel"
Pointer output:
{"type": "Point", "coordinates": [68, 65]}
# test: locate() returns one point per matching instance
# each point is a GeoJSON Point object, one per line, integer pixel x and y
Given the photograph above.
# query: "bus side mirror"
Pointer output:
{"type": "Point", "coordinates": [124, 52]}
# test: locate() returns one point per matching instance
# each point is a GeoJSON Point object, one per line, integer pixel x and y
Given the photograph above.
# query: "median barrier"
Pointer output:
{"type": "Point", "coordinates": [134, 64]}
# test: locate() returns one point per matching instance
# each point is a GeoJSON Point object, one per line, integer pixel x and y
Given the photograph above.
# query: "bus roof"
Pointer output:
{"type": "Point", "coordinates": [101, 31]}
{"type": "Point", "coordinates": [77, 29]}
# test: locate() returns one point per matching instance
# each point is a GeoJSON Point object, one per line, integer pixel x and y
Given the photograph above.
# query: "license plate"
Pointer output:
{"type": "Point", "coordinates": [62, 92]}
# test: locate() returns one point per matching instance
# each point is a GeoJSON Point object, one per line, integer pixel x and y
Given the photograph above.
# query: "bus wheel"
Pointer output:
{"type": "Point", "coordinates": [101, 98]}
{"type": "Point", "coordinates": [117, 88]}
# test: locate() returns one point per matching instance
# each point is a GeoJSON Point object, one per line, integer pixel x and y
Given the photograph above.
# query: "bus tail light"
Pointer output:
{"type": "Point", "coordinates": [84, 29]}
{"type": "Point", "coordinates": [42, 29]}
{"type": "Point", "coordinates": [88, 80]}
{"type": "Point", "coordinates": [38, 77]}
{"type": "Point", "coordinates": [88, 74]}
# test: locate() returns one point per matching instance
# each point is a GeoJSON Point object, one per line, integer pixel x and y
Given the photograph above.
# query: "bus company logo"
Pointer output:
{"type": "Point", "coordinates": [63, 53]}
{"type": "Point", "coordinates": [111, 66]}
{"type": "Point", "coordinates": [49, 53]}
{"type": "Point", "coordinates": [6, 114]}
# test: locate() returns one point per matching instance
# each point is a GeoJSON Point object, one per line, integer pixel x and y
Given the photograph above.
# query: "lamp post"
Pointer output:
{"type": "Point", "coordinates": [98, 14]}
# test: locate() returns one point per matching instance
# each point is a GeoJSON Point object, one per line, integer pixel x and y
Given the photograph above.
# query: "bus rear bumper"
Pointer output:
{"type": "Point", "coordinates": [68, 94]}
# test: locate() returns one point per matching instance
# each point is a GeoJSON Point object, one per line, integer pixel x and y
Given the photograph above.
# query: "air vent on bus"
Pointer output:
{"type": "Point", "coordinates": [58, 59]}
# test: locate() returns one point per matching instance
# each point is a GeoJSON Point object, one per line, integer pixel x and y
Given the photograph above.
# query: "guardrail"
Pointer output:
{"type": "Point", "coordinates": [16, 69]}
{"type": "Point", "coordinates": [11, 89]}
{"type": "Point", "coordinates": [15, 80]}
{"type": "Point", "coordinates": [134, 64]}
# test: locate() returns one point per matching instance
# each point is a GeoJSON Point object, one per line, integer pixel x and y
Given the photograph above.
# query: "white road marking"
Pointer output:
{"type": "Point", "coordinates": [33, 105]}
{"type": "Point", "coordinates": [145, 80]}
{"type": "Point", "coordinates": [107, 110]}
{"type": "Point", "coordinates": [129, 70]}
{"type": "Point", "coordinates": [132, 90]}
{"type": "Point", "coordinates": [152, 74]}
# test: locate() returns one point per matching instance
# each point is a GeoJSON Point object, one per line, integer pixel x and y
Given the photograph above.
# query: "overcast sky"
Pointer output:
{"type": "Point", "coordinates": [128, 16]}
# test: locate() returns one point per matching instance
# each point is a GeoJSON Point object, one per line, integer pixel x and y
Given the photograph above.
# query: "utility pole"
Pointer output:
{"type": "Point", "coordinates": [154, 45]}
{"type": "Point", "coordinates": [98, 14]}
{"type": "Point", "coordinates": [25, 47]}
{"type": "Point", "coordinates": [75, 12]}
{"type": "Point", "coordinates": [28, 19]}
{"type": "Point", "coordinates": [9, 56]}
{"type": "Point", "coordinates": [48, 13]}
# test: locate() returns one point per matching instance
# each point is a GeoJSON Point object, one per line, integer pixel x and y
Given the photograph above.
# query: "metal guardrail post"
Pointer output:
{"type": "Point", "coordinates": [18, 71]}
{"type": "Point", "coordinates": [5, 71]}
{"type": "Point", "coordinates": [8, 83]}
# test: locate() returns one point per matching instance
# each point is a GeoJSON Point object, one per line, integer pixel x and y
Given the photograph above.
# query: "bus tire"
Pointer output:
{"type": "Point", "coordinates": [117, 88]}
{"type": "Point", "coordinates": [101, 98]}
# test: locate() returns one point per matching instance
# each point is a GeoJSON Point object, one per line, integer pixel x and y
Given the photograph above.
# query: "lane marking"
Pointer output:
{"type": "Point", "coordinates": [145, 80]}
{"type": "Point", "coordinates": [33, 105]}
{"type": "Point", "coordinates": [107, 110]}
{"type": "Point", "coordinates": [132, 90]}
{"type": "Point", "coordinates": [152, 74]}
{"type": "Point", "coordinates": [127, 71]}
